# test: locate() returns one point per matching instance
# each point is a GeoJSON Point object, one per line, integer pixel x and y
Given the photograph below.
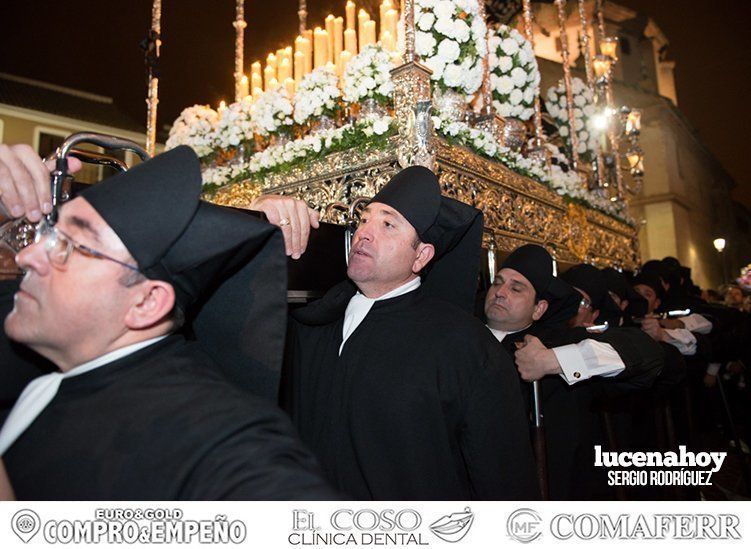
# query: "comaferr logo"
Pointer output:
{"type": "Point", "coordinates": [697, 526]}
{"type": "Point", "coordinates": [524, 525]}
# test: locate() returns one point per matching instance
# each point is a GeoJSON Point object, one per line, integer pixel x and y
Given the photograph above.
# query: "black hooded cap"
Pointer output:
{"type": "Point", "coordinates": [619, 285]}
{"type": "Point", "coordinates": [591, 280]}
{"type": "Point", "coordinates": [653, 281]}
{"type": "Point", "coordinates": [452, 227]}
{"type": "Point", "coordinates": [536, 265]}
{"type": "Point", "coordinates": [227, 267]}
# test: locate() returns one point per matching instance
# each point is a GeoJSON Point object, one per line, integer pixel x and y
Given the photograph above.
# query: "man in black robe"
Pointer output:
{"type": "Point", "coordinates": [137, 411]}
{"type": "Point", "coordinates": [399, 391]}
{"type": "Point", "coordinates": [530, 310]}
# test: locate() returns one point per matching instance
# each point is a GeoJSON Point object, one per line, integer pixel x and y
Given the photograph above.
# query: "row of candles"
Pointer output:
{"type": "Point", "coordinates": [333, 46]}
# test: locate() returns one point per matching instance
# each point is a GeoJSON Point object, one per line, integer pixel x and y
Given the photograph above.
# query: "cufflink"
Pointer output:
{"type": "Point", "coordinates": [577, 375]}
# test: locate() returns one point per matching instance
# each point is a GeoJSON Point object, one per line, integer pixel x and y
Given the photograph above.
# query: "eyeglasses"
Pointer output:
{"type": "Point", "coordinates": [59, 245]}
{"type": "Point", "coordinates": [585, 303]}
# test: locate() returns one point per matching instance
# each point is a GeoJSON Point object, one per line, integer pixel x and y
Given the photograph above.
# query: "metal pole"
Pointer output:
{"type": "Point", "coordinates": [573, 137]}
{"type": "Point", "coordinates": [152, 45]}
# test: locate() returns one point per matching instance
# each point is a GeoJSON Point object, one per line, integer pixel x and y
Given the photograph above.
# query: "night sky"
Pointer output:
{"type": "Point", "coordinates": [92, 45]}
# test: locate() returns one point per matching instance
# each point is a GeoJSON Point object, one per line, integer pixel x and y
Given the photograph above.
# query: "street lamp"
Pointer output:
{"type": "Point", "coordinates": [719, 245]}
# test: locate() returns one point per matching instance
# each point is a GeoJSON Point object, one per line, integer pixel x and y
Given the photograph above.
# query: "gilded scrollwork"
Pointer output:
{"type": "Point", "coordinates": [516, 209]}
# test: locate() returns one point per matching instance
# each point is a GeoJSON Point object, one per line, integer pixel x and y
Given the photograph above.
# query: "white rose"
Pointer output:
{"type": "Point", "coordinates": [445, 9]}
{"type": "Point", "coordinates": [453, 75]}
{"type": "Point", "coordinates": [444, 26]}
{"type": "Point", "coordinates": [424, 44]}
{"type": "Point", "coordinates": [461, 31]}
{"type": "Point", "coordinates": [425, 21]}
{"type": "Point", "coordinates": [505, 63]}
{"type": "Point", "coordinates": [503, 109]}
{"type": "Point", "coordinates": [435, 64]}
{"type": "Point", "coordinates": [448, 50]}
{"type": "Point", "coordinates": [509, 46]}
{"type": "Point", "coordinates": [380, 126]}
{"type": "Point", "coordinates": [516, 97]}
{"type": "Point", "coordinates": [563, 130]}
{"type": "Point", "coordinates": [519, 77]}
{"type": "Point", "coordinates": [505, 85]}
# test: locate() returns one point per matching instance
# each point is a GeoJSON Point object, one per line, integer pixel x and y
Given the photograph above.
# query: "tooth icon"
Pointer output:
{"type": "Point", "coordinates": [454, 527]}
{"type": "Point", "coordinates": [25, 524]}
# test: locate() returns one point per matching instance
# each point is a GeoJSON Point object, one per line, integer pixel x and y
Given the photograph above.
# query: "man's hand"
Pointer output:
{"type": "Point", "coordinates": [25, 182]}
{"type": "Point", "coordinates": [671, 323]}
{"type": "Point", "coordinates": [653, 329]}
{"type": "Point", "coordinates": [534, 360]}
{"type": "Point", "coordinates": [710, 381]}
{"type": "Point", "coordinates": [293, 216]}
{"type": "Point", "coordinates": [6, 490]}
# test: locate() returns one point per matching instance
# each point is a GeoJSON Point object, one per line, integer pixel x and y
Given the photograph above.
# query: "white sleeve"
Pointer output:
{"type": "Point", "coordinates": [683, 340]}
{"type": "Point", "coordinates": [697, 323]}
{"type": "Point", "coordinates": [588, 358]}
{"type": "Point", "coordinates": [713, 368]}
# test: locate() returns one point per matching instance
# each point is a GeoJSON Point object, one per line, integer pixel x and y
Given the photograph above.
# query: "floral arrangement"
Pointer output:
{"type": "Point", "coordinates": [235, 125]}
{"type": "Point", "coordinates": [280, 158]}
{"type": "Point", "coordinates": [450, 38]}
{"type": "Point", "coordinates": [484, 143]}
{"type": "Point", "coordinates": [368, 76]}
{"type": "Point", "coordinates": [195, 128]}
{"type": "Point", "coordinates": [514, 76]}
{"type": "Point", "coordinates": [271, 114]}
{"type": "Point", "coordinates": [318, 95]}
{"type": "Point", "coordinates": [560, 178]}
{"type": "Point", "coordinates": [583, 111]}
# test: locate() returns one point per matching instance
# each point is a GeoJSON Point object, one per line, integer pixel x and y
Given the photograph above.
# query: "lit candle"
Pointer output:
{"type": "Point", "coordinates": [256, 81]}
{"type": "Point", "coordinates": [288, 54]}
{"type": "Point", "coordinates": [257, 91]}
{"type": "Point", "coordinates": [299, 66]}
{"type": "Point", "coordinates": [271, 61]}
{"type": "Point", "coordinates": [370, 33]}
{"type": "Point", "coordinates": [387, 41]}
{"type": "Point", "coordinates": [289, 85]}
{"type": "Point", "coordinates": [344, 60]}
{"type": "Point", "coordinates": [338, 38]}
{"type": "Point", "coordinates": [273, 84]}
{"type": "Point", "coordinates": [285, 70]}
{"type": "Point", "coordinates": [350, 41]}
{"type": "Point", "coordinates": [362, 18]}
{"type": "Point", "coordinates": [390, 24]}
{"type": "Point", "coordinates": [330, 37]}
{"type": "Point", "coordinates": [269, 74]}
{"type": "Point", "coordinates": [222, 107]}
{"type": "Point", "coordinates": [255, 68]}
{"type": "Point", "coordinates": [244, 86]}
{"type": "Point", "coordinates": [307, 51]}
{"type": "Point", "coordinates": [320, 51]}
{"type": "Point", "coordinates": [350, 9]}
{"type": "Point", "coordinates": [385, 7]}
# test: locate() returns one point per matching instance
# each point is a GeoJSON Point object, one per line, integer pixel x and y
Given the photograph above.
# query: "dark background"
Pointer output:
{"type": "Point", "coordinates": [92, 45]}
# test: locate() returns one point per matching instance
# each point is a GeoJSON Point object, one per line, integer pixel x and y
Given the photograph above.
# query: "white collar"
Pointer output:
{"type": "Point", "coordinates": [40, 392]}
{"type": "Point", "coordinates": [359, 306]}
{"type": "Point", "coordinates": [500, 334]}
{"type": "Point", "coordinates": [112, 356]}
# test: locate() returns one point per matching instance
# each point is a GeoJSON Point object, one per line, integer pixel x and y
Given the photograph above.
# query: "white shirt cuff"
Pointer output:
{"type": "Point", "coordinates": [588, 358]}
{"type": "Point", "coordinates": [683, 340]}
{"type": "Point", "coordinates": [697, 323]}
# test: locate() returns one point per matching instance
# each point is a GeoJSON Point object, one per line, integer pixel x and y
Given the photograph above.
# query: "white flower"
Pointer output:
{"type": "Point", "coordinates": [424, 43]}
{"type": "Point", "coordinates": [505, 85]}
{"type": "Point", "coordinates": [513, 69]}
{"type": "Point", "coordinates": [509, 46]}
{"type": "Point", "coordinates": [449, 50]}
{"type": "Point", "coordinates": [519, 77]}
{"type": "Point", "coordinates": [318, 94]}
{"type": "Point", "coordinates": [195, 128]}
{"type": "Point", "coordinates": [435, 64]}
{"type": "Point", "coordinates": [425, 21]}
{"type": "Point", "coordinates": [444, 9]}
{"type": "Point", "coordinates": [453, 75]}
{"type": "Point", "coordinates": [505, 64]}
{"type": "Point", "coordinates": [461, 31]}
